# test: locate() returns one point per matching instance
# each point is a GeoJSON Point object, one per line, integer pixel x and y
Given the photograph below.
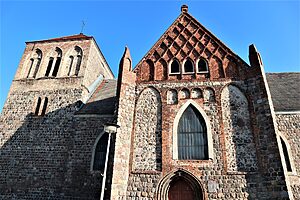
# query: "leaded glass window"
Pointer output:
{"type": "Point", "coordinates": [192, 136]}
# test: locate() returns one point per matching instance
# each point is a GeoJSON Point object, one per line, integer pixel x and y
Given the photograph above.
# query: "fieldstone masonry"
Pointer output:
{"type": "Point", "coordinates": [288, 126]}
{"type": "Point", "coordinates": [49, 156]}
{"type": "Point", "coordinates": [240, 147]}
{"type": "Point", "coordinates": [147, 137]}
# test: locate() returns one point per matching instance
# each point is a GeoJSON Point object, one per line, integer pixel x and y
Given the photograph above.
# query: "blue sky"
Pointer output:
{"type": "Point", "coordinates": [273, 26]}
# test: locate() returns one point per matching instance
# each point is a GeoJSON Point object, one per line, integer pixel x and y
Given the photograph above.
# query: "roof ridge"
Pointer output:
{"type": "Point", "coordinates": [68, 37]}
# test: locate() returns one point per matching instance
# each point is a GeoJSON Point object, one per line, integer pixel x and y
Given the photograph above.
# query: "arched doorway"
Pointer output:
{"type": "Point", "coordinates": [180, 185]}
{"type": "Point", "coordinates": [181, 190]}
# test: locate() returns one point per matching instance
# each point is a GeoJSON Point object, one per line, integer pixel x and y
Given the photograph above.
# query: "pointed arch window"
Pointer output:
{"type": "Point", "coordinates": [100, 153]}
{"type": "Point", "coordinates": [188, 66]}
{"type": "Point", "coordinates": [175, 67]}
{"type": "Point", "coordinates": [192, 136]}
{"type": "Point", "coordinates": [286, 156]}
{"type": "Point", "coordinates": [202, 66]}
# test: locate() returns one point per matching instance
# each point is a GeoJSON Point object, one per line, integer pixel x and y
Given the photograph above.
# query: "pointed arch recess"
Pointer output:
{"type": "Point", "coordinates": [147, 133]}
{"type": "Point", "coordinates": [207, 123]}
{"type": "Point", "coordinates": [94, 149]}
{"type": "Point", "coordinates": [164, 184]}
{"type": "Point", "coordinates": [286, 156]}
{"type": "Point", "coordinates": [239, 140]}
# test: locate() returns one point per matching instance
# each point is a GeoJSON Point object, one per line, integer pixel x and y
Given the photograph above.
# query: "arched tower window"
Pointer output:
{"type": "Point", "coordinates": [57, 63]}
{"type": "Point", "coordinates": [188, 66]}
{"type": "Point", "coordinates": [45, 106]}
{"type": "Point", "coordinates": [37, 108]}
{"type": "Point", "coordinates": [79, 58]}
{"type": "Point", "coordinates": [30, 67]}
{"type": "Point", "coordinates": [286, 155]}
{"type": "Point", "coordinates": [174, 67]}
{"type": "Point", "coordinates": [35, 64]}
{"type": "Point", "coordinates": [38, 62]}
{"type": "Point", "coordinates": [192, 136]}
{"type": "Point", "coordinates": [202, 66]}
{"type": "Point", "coordinates": [50, 63]}
{"type": "Point", "coordinates": [71, 59]}
{"type": "Point", "coordinates": [100, 153]}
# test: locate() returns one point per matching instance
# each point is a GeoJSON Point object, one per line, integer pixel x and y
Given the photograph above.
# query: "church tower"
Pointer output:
{"type": "Point", "coordinates": [55, 73]}
{"type": "Point", "coordinates": [40, 133]}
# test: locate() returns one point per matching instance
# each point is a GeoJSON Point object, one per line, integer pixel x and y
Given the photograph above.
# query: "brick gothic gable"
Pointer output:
{"type": "Point", "coordinates": [185, 39]}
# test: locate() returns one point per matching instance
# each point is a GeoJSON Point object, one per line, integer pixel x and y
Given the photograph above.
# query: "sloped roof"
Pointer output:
{"type": "Point", "coordinates": [187, 37]}
{"type": "Point", "coordinates": [285, 90]}
{"type": "Point", "coordinates": [70, 37]}
{"type": "Point", "coordinates": [103, 100]}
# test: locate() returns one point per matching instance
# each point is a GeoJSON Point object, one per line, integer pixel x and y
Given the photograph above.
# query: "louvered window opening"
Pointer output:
{"type": "Point", "coordinates": [192, 136]}
{"type": "Point", "coordinates": [100, 153]}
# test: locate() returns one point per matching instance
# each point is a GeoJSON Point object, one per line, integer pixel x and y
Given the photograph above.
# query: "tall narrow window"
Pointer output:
{"type": "Point", "coordinates": [37, 67]}
{"type": "Point", "coordinates": [71, 63]}
{"type": "Point", "coordinates": [286, 156]}
{"type": "Point", "coordinates": [174, 68]}
{"type": "Point", "coordinates": [30, 67]}
{"type": "Point", "coordinates": [78, 65]}
{"type": "Point", "coordinates": [56, 67]}
{"type": "Point", "coordinates": [57, 63]}
{"type": "Point", "coordinates": [192, 136]}
{"type": "Point", "coordinates": [49, 67]}
{"type": "Point", "coordinates": [45, 106]}
{"type": "Point", "coordinates": [202, 66]}
{"type": "Point", "coordinates": [188, 66]}
{"type": "Point", "coordinates": [38, 105]}
{"type": "Point", "coordinates": [38, 62]}
{"type": "Point", "coordinates": [100, 153]}
{"type": "Point", "coordinates": [79, 58]}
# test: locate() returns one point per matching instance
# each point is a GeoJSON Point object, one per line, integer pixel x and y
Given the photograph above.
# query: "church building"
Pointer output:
{"type": "Point", "coordinates": [191, 121]}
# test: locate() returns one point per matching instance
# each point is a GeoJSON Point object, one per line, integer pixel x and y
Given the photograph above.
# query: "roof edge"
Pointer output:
{"type": "Point", "coordinates": [64, 38]}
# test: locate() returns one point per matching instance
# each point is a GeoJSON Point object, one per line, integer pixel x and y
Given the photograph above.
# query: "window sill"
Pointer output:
{"type": "Point", "coordinates": [175, 73]}
{"type": "Point", "coordinates": [203, 72]}
{"type": "Point", "coordinates": [188, 73]}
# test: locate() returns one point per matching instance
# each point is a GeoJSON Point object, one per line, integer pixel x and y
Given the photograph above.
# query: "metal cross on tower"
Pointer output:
{"type": "Point", "coordinates": [82, 26]}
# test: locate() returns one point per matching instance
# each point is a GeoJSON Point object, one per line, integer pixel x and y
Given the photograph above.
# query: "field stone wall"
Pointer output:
{"type": "Point", "coordinates": [147, 136]}
{"type": "Point", "coordinates": [240, 147]}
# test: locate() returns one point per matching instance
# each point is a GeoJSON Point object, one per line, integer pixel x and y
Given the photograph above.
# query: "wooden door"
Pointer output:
{"type": "Point", "coordinates": [180, 190]}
